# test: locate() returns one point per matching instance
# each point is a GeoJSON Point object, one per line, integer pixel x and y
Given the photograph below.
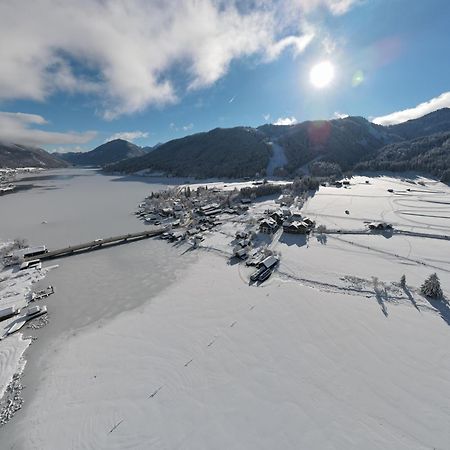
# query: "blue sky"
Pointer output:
{"type": "Point", "coordinates": [152, 73]}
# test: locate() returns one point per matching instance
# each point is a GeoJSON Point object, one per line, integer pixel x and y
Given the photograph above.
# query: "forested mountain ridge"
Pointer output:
{"type": "Point", "coordinates": [16, 155]}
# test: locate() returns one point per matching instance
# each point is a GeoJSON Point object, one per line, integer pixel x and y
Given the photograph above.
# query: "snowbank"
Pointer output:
{"type": "Point", "coordinates": [11, 359]}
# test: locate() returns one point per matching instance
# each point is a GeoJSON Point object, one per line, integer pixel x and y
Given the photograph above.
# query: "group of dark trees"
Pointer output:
{"type": "Point", "coordinates": [262, 190]}
{"type": "Point", "coordinates": [325, 169]}
{"type": "Point", "coordinates": [429, 154]}
{"type": "Point", "coordinates": [227, 153]}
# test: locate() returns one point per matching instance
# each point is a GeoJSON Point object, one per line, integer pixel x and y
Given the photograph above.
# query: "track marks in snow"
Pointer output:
{"type": "Point", "coordinates": [115, 426]}
{"type": "Point", "coordinates": [155, 392]}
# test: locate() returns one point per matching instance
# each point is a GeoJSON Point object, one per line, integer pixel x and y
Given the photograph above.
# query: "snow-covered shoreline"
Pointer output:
{"type": "Point", "coordinates": [15, 291]}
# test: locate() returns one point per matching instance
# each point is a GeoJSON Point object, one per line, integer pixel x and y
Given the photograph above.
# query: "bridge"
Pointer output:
{"type": "Point", "coordinates": [97, 244]}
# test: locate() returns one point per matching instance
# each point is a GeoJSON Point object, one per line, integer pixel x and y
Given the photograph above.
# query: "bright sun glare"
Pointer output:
{"type": "Point", "coordinates": [321, 74]}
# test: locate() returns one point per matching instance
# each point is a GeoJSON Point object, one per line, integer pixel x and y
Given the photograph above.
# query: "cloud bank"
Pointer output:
{"type": "Point", "coordinates": [19, 128]}
{"type": "Point", "coordinates": [442, 101]}
{"type": "Point", "coordinates": [129, 55]}
{"type": "Point", "coordinates": [285, 121]}
{"type": "Point", "coordinates": [128, 135]}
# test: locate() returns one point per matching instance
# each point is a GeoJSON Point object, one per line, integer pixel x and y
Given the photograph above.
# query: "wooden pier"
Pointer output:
{"type": "Point", "coordinates": [97, 244]}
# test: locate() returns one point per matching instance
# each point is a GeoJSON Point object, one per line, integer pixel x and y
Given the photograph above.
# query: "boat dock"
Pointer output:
{"type": "Point", "coordinates": [96, 244]}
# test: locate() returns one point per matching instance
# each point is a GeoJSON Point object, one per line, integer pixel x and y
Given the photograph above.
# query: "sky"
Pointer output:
{"type": "Point", "coordinates": [74, 75]}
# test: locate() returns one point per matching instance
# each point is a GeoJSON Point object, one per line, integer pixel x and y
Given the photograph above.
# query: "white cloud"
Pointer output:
{"type": "Point", "coordinates": [339, 7]}
{"type": "Point", "coordinates": [298, 43]}
{"type": "Point", "coordinates": [286, 121]}
{"type": "Point", "coordinates": [266, 117]}
{"type": "Point", "coordinates": [128, 135]}
{"type": "Point", "coordinates": [69, 148]}
{"type": "Point", "coordinates": [124, 52]}
{"type": "Point", "coordinates": [187, 127]}
{"type": "Point", "coordinates": [442, 101]}
{"type": "Point", "coordinates": [339, 115]}
{"type": "Point", "coordinates": [20, 128]}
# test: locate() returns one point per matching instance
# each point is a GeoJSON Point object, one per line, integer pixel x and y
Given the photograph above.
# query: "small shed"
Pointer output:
{"type": "Point", "coordinates": [241, 253]}
{"type": "Point", "coordinates": [241, 235]}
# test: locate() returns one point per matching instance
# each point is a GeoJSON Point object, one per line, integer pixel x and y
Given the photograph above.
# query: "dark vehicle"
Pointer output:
{"type": "Point", "coordinates": [255, 276]}
{"type": "Point", "coordinates": [266, 274]}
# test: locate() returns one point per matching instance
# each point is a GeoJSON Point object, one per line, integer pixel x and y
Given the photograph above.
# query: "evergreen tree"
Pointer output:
{"type": "Point", "coordinates": [432, 287]}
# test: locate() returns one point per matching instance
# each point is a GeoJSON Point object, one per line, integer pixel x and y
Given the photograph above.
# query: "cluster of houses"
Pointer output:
{"type": "Point", "coordinates": [13, 318]}
{"type": "Point", "coordinates": [243, 242]}
{"type": "Point", "coordinates": [6, 176]}
{"type": "Point", "coordinates": [291, 222]}
{"type": "Point", "coordinates": [193, 211]}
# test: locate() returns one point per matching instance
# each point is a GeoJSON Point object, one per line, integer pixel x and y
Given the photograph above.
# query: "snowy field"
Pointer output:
{"type": "Point", "coordinates": [424, 208]}
{"type": "Point", "coordinates": [329, 353]}
{"type": "Point", "coordinates": [215, 363]}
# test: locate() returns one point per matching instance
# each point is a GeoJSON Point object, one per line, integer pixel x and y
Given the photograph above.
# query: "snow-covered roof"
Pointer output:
{"type": "Point", "coordinates": [269, 262]}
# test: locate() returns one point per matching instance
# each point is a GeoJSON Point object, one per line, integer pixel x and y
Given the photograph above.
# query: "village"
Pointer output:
{"type": "Point", "coordinates": [8, 176]}
{"type": "Point", "coordinates": [246, 221]}
{"type": "Point", "coordinates": [17, 312]}
{"type": "Point", "coordinates": [193, 213]}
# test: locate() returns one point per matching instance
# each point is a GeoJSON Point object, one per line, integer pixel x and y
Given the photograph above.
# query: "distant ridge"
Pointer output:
{"type": "Point", "coordinates": [16, 155]}
{"type": "Point", "coordinates": [110, 152]}
{"type": "Point", "coordinates": [245, 151]}
{"type": "Point", "coordinates": [222, 152]}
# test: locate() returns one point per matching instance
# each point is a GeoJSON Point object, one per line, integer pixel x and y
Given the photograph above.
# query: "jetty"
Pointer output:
{"type": "Point", "coordinates": [96, 244]}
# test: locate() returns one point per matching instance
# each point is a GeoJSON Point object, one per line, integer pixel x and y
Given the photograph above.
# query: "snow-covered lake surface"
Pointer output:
{"type": "Point", "coordinates": [151, 347]}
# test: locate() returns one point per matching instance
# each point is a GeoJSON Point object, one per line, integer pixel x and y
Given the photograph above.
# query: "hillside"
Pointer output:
{"type": "Point", "coordinates": [15, 155]}
{"type": "Point", "coordinates": [429, 154]}
{"type": "Point", "coordinates": [435, 122]}
{"type": "Point", "coordinates": [107, 153]}
{"type": "Point", "coordinates": [344, 141]}
{"type": "Point", "coordinates": [232, 152]}
{"type": "Point", "coordinates": [240, 151]}
{"type": "Point", "coordinates": [243, 151]}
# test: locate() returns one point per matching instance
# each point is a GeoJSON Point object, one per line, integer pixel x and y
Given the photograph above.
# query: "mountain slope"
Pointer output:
{"type": "Point", "coordinates": [107, 153]}
{"type": "Point", "coordinates": [429, 154]}
{"type": "Point", "coordinates": [240, 151]}
{"type": "Point", "coordinates": [15, 155]}
{"type": "Point", "coordinates": [344, 141]}
{"type": "Point", "coordinates": [232, 152]}
{"type": "Point", "coordinates": [435, 122]}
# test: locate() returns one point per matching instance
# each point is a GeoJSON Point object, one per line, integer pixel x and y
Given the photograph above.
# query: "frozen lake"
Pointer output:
{"type": "Point", "coordinates": [79, 205]}
{"type": "Point", "coordinates": [73, 205]}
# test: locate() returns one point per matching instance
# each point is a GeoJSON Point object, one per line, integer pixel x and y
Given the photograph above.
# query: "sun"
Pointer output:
{"type": "Point", "coordinates": [322, 74]}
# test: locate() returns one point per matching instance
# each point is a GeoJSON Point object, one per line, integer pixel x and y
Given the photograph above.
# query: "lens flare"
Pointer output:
{"type": "Point", "coordinates": [358, 78]}
{"type": "Point", "coordinates": [322, 74]}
